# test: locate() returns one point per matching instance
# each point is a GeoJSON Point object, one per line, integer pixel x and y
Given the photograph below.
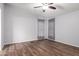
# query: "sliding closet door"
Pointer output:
{"type": "Point", "coordinates": [51, 29]}
{"type": "Point", "coordinates": [41, 29]}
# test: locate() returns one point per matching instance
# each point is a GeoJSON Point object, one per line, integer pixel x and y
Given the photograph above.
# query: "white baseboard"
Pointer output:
{"type": "Point", "coordinates": [20, 41]}
{"type": "Point", "coordinates": [67, 43]}
{"type": "Point", "coordinates": [51, 39]}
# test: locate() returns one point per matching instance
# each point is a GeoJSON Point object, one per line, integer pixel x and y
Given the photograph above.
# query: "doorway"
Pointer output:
{"type": "Point", "coordinates": [41, 25]}
{"type": "Point", "coordinates": [51, 28]}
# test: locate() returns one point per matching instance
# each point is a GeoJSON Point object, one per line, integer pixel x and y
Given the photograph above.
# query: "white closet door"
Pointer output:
{"type": "Point", "coordinates": [40, 29]}
{"type": "Point", "coordinates": [51, 29]}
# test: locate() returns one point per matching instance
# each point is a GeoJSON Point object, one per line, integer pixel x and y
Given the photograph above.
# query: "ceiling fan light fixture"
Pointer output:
{"type": "Point", "coordinates": [45, 7]}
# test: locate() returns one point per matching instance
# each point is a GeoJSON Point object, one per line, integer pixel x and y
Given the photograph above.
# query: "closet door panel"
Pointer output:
{"type": "Point", "coordinates": [40, 29]}
{"type": "Point", "coordinates": [51, 29]}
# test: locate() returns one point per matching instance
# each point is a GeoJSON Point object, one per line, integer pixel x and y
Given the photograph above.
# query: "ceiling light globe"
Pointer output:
{"type": "Point", "coordinates": [45, 7]}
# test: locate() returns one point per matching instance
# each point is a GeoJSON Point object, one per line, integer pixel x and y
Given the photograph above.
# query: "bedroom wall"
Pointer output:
{"type": "Point", "coordinates": [1, 26]}
{"type": "Point", "coordinates": [67, 28]}
{"type": "Point", "coordinates": [20, 25]}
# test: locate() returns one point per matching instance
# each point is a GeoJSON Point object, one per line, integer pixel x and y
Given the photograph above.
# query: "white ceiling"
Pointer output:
{"type": "Point", "coordinates": [65, 8]}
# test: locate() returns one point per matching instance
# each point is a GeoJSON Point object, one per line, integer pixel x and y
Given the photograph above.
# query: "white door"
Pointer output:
{"type": "Point", "coordinates": [41, 29]}
{"type": "Point", "coordinates": [51, 29]}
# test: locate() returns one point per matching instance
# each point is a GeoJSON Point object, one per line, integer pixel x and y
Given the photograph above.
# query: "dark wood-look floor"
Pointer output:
{"type": "Point", "coordinates": [40, 48]}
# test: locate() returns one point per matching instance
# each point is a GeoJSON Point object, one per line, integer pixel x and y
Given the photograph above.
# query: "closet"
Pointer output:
{"type": "Point", "coordinates": [44, 25]}
{"type": "Point", "coordinates": [51, 28]}
{"type": "Point", "coordinates": [41, 25]}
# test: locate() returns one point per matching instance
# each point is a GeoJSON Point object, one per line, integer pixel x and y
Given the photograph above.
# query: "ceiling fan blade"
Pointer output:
{"type": "Point", "coordinates": [50, 3]}
{"type": "Point", "coordinates": [51, 7]}
{"type": "Point", "coordinates": [58, 6]}
{"type": "Point", "coordinates": [37, 6]}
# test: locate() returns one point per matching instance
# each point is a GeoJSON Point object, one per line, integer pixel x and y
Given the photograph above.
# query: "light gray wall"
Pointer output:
{"type": "Point", "coordinates": [20, 25]}
{"type": "Point", "coordinates": [1, 26]}
{"type": "Point", "coordinates": [67, 28]}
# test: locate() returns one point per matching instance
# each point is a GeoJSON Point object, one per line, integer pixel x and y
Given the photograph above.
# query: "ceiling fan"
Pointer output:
{"type": "Point", "coordinates": [46, 5]}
